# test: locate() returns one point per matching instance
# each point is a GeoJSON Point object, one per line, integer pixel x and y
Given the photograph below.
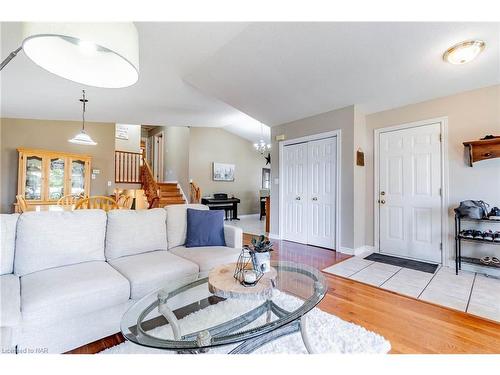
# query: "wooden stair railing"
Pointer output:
{"type": "Point", "coordinates": [128, 167]}
{"type": "Point", "coordinates": [195, 193]}
{"type": "Point", "coordinates": [149, 185]}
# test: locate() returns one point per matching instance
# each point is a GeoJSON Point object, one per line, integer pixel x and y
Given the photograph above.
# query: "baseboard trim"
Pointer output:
{"type": "Point", "coordinates": [359, 251]}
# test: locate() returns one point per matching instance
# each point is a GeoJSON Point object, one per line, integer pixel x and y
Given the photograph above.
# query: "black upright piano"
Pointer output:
{"type": "Point", "coordinates": [220, 201]}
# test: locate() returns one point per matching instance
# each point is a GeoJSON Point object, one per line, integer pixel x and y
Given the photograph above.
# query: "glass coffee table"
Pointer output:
{"type": "Point", "coordinates": [195, 313]}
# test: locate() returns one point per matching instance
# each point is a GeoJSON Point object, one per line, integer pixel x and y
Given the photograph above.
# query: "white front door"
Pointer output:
{"type": "Point", "coordinates": [295, 192]}
{"type": "Point", "coordinates": [410, 192]}
{"type": "Point", "coordinates": [322, 163]}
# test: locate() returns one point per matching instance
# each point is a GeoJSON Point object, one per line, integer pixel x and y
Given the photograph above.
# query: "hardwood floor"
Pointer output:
{"type": "Point", "coordinates": [412, 326]}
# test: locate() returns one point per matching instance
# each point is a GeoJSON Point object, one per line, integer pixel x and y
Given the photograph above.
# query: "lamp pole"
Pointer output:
{"type": "Point", "coordinates": [10, 57]}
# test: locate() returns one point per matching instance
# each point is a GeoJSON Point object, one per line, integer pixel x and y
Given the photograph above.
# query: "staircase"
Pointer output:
{"type": "Point", "coordinates": [131, 167]}
{"type": "Point", "coordinates": [169, 193]}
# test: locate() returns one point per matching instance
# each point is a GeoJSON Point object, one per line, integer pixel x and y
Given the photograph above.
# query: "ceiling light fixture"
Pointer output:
{"type": "Point", "coordinates": [262, 146]}
{"type": "Point", "coordinates": [464, 52]}
{"type": "Point", "coordinates": [83, 138]}
{"type": "Point", "coordinates": [94, 54]}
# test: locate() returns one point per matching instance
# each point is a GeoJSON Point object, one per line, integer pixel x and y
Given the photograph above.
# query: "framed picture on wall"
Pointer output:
{"type": "Point", "coordinates": [223, 172]}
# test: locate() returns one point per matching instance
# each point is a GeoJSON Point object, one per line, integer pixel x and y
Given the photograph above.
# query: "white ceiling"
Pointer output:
{"type": "Point", "coordinates": [234, 75]}
{"type": "Point", "coordinates": [280, 72]}
{"type": "Point", "coordinates": [168, 51]}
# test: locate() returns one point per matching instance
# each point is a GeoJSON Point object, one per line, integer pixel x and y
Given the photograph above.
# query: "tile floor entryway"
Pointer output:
{"type": "Point", "coordinates": [468, 291]}
{"type": "Point", "coordinates": [250, 224]}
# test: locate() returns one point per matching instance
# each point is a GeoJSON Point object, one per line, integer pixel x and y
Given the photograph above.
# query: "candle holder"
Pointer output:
{"type": "Point", "coordinates": [245, 272]}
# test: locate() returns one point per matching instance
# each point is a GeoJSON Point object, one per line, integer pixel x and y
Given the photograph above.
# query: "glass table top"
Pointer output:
{"type": "Point", "coordinates": [189, 315]}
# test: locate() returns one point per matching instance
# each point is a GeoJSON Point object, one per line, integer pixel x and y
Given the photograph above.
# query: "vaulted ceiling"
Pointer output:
{"type": "Point", "coordinates": [236, 75]}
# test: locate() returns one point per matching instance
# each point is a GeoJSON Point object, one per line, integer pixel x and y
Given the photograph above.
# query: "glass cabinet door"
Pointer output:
{"type": "Point", "coordinates": [33, 185]}
{"type": "Point", "coordinates": [56, 178]}
{"type": "Point", "coordinates": [77, 177]}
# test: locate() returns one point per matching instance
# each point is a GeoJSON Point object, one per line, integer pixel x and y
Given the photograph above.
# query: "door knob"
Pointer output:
{"type": "Point", "coordinates": [297, 198]}
{"type": "Point", "coordinates": [315, 198]}
{"type": "Point", "coordinates": [382, 201]}
{"type": "Point", "coordinates": [382, 193]}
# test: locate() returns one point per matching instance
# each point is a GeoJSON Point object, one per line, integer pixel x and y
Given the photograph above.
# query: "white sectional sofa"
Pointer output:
{"type": "Point", "coordinates": [68, 277]}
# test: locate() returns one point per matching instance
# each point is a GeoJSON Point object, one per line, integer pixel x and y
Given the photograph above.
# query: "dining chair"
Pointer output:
{"type": "Point", "coordinates": [69, 200]}
{"type": "Point", "coordinates": [21, 203]}
{"type": "Point", "coordinates": [97, 202]}
{"type": "Point", "coordinates": [125, 202]}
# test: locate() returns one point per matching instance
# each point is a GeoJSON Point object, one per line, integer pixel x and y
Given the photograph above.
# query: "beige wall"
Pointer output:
{"type": "Point", "coordinates": [342, 119]}
{"type": "Point", "coordinates": [211, 144]}
{"type": "Point", "coordinates": [54, 135]}
{"type": "Point", "coordinates": [133, 143]}
{"type": "Point", "coordinates": [175, 154]}
{"type": "Point", "coordinates": [471, 115]}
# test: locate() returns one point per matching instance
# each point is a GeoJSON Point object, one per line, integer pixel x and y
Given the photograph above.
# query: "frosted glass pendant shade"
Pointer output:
{"type": "Point", "coordinates": [82, 138]}
{"type": "Point", "coordinates": [94, 54]}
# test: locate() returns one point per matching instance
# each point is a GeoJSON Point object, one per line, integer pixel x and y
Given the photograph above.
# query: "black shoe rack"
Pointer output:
{"type": "Point", "coordinates": [459, 239]}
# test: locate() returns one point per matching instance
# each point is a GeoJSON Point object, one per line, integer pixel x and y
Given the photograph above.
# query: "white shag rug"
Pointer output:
{"type": "Point", "coordinates": [327, 333]}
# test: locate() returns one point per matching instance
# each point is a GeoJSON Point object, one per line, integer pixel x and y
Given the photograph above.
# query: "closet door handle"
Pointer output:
{"type": "Point", "coordinates": [315, 198]}
{"type": "Point", "coordinates": [297, 198]}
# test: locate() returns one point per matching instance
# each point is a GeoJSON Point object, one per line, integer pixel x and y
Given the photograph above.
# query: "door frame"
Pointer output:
{"type": "Point", "coordinates": [315, 137]}
{"type": "Point", "coordinates": [443, 122]}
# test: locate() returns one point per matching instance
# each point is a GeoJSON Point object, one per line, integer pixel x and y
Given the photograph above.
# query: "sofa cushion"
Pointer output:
{"type": "Point", "coordinates": [52, 239]}
{"type": "Point", "coordinates": [149, 271]}
{"type": "Point", "coordinates": [132, 232]}
{"type": "Point", "coordinates": [65, 292]}
{"type": "Point", "coordinates": [7, 242]}
{"type": "Point", "coordinates": [10, 300]}
{"type": "Point", "coordinates": [177, 223]}
{"type": "Point", "coordinates": [205, 228]}
{"type": "Point", "coordinates": [207, 257]}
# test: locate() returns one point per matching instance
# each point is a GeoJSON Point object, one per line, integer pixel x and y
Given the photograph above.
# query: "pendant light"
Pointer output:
{"type": "Point", "coordinates": [94, 54]}
{"type": "Point", "coordinates": [83, 138]}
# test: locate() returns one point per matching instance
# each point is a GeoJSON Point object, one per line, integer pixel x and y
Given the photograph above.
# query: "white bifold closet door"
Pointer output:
{"type": "Point", "coordinates": [310, 192]}
{"type": "Point", "coordinates": [295, 192]}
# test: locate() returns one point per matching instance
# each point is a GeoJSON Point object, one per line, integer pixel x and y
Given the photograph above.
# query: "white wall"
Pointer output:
{"type": "Point", "coordinates": [133, 143]}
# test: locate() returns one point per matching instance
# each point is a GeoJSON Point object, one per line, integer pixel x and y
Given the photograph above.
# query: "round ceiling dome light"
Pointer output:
{"type": "Point", "coordinates": [94, 54]}
{"type": "Point", "coordinates": [464, 52]}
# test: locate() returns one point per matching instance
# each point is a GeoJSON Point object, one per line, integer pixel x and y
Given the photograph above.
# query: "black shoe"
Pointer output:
{"type": "Point", "coordinates": [477, 234]}
{"type": "Point", "coordinates": [496, 236]}
{"type": "Point", "coordinates": [494, 214]}
{"type": "Point", "coordinates": [488, 235]}
{"type": "Point", "coordinates": [468, 233]}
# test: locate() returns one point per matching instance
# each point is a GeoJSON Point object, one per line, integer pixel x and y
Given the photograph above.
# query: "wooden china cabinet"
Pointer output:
{"type": "Point", "coordinates": [45, 176]}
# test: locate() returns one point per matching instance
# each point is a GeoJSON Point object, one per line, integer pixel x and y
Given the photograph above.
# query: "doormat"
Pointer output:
{"type": "Point", "coordinates": [402, 262]}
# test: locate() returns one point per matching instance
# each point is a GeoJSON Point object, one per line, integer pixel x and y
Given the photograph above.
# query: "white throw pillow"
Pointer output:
{"type": "Point", "coordinates": [131, 232]}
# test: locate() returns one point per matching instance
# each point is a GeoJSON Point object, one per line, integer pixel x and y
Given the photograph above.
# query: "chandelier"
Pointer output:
{"type": "Point", "coordinates": [262, 146]}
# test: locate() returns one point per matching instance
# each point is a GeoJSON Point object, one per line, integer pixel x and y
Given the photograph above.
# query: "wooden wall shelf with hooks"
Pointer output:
{"type": "Point", "coordinates": [483, 149]}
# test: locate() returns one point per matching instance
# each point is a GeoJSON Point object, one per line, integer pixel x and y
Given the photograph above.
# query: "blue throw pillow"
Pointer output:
{"type": "Point", "coordinates": [205, 228]}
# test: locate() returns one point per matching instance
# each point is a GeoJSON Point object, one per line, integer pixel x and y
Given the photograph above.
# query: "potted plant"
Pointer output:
{"type": "Point", "coordinates": [261, 253]}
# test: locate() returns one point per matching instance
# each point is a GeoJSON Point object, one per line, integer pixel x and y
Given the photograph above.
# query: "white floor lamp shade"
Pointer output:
{"type": "Point", "coordinates": [94, 54]}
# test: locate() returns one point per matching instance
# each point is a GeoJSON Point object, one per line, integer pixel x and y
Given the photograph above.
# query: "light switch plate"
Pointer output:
{"type": "Point", "coordinates": [93, 176]}
{"type": "Point", "coordinates": [276, 181]}
{"type": "Point", "coordinates": [109, 183]}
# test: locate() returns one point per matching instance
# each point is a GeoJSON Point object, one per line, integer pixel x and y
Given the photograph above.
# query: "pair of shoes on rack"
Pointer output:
{"type": "Point", "coordinates": [478, 235]}
{"type": "Point", "coordinates": [494, 214]}
{"type": "Point", "coordinates": [490, 261]}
